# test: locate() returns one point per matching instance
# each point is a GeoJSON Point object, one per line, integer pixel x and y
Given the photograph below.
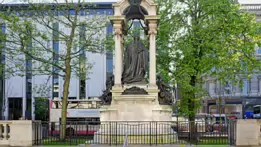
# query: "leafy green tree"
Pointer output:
{"type": "Point", "coordinates": [31, 32]}
{"type": "Point", "coordinates": [42, 109]}
{"type": "Point", "coordinates": [200, 39]}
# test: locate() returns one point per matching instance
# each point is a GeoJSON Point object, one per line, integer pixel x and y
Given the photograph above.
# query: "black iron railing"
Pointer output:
{"type": "Point", "coordinates": [124, 133]}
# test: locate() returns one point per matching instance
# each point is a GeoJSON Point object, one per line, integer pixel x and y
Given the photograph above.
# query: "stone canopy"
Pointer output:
{"type": "Point", "coordinates": [124, 11]}
{"type": "Point", "coordinates": [148, 7]}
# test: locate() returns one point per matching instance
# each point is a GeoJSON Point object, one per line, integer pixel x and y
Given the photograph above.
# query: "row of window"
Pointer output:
{"type": "Point", "coordinates": [82, 63]}
{"type": "Point", "coordinates": [55, 59]}
{"type": "Point", "coordinates": [228, 88]}
{"type": "Point", "coordinates": [55, 42]}
{"type": "Point", "coordinates": [28, 72]}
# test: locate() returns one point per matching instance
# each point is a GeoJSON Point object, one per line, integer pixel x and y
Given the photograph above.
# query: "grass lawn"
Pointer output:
{"type": "Point", "coordinates": [213, 141]}
{"type": "Point", "coordinates": [212, 145]}
{"type": "Point", "coordinates": [68, 142]}
{"type": "Point", "coordinates": [144, 140]}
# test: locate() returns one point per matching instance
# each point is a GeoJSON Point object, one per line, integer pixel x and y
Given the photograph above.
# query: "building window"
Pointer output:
{"type": "Point", "coordinates": [3, 31]}
{"type": "Point", "coordinates": [55, 60]}
{"type": "Point", "coordinates": [110, 65]}
{"type": "Point", "coordinates": [28, 66]}
{"type": "Point", "coordinates": [259, 51]}
{"type": "Point", "coordinates": [28, 77]}
{"type": "Point", "coordinates": [228, 88]}
{"type": "Point", "coordinates": [245, 88]}
{"type": "Point", "coordinates": [72, 98]}
{"type": "Point", "coordinates": [82, 63]}
{"type": "Point", "coordinates": [109, 55]}
{"type": "Point", "coordinates": [2, 69]}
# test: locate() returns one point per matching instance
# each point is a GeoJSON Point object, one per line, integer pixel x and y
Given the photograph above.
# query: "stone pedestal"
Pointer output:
{"type": "Point", "coordinates": [135, 107]}
{"type": "Point", "coordinates": [138, 116]}
{"type": "Point", "coordinates": [24, 133]}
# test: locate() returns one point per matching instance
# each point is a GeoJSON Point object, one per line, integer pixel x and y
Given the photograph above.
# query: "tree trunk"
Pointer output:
{"type": "Point", "coordinates": [66, 87]}
{"type": "Point", "coordinates": [68, 71]}
{"type": "Point", "coordinates": [191, 107]}
{"type": "Point", "coordinates": [66, 84]}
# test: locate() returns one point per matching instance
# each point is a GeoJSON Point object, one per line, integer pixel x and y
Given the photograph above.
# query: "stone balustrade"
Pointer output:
{"type": "Point", "coordinates": [248, 132]}
{"type": "Point", "coordinates": [251, 7]}
{"type": "Point", "coordinates": [18, 133]}
{"type": "Point", "coordinates": [5, 132]}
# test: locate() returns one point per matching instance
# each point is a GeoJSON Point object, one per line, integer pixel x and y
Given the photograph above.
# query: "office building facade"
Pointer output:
{"type": "Point", "coordinates": [19, 93]}
{"type": "Point", "coordinates": [233, 99]}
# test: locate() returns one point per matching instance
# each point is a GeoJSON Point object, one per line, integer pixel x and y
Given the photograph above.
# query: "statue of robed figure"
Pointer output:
{"type": "Point", "coordinates": [135, 62]}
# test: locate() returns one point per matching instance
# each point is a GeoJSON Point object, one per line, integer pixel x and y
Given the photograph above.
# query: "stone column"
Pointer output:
{"type": "Point", "coordinates": [122, 51]}
{"type": "Point", "coordinates": [205, 107]}
{"type": "Point", "coordinates": [259, 84]}
{"type": "Point", "coordinates": [253, 84]}
{"type": "Point", "coordinates": [220, 103]}
{"type": "Point", "coordinates": [218, 106]}
{"type": "Point", "coordinates": [152, 35]}
{"type": "Point", "coordinates": [223, 106]}
{"type": "Point", "coordinates": [23, 107]}
{"type": "Point", "coordinates": [212, 87]}
{"type": "Point", "coordinates": [238, 90]}
{"type": "Point", "coordinates": [118, 52]}
{"type": "Point", "coordinates": [243, 108]}
{"type": "Point", "coordinates": [33, 108]}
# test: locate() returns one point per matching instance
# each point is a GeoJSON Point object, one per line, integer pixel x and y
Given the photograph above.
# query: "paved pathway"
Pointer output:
{"type": "Point", "coordinates": [148, 146]}
{"type": "Point", "coordinates": [163, 146]}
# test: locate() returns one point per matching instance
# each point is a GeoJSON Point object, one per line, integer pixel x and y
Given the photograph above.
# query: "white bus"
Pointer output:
{"type": "Point", "coordinates": [83, 117]}
{"type": "Point", "coordinates": [257, 109]}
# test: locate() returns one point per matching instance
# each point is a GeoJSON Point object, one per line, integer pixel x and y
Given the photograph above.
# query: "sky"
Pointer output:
{"type": "Point", "coordinates": [250, 1]}
{"type": "Point", "coordinates": [19, 1]}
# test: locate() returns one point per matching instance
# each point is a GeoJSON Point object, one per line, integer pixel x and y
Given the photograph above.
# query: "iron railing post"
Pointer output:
{"type": "Point", "coordinates": [156, 133]}
{"type": "Point", "coordinates": [110, 133]}
{"type": "Point", "coordinates": [150, 134]}
{"type": "Point", "coordinates": [125, 144]}
{"type": "Point", "coordinates": [116, 134]}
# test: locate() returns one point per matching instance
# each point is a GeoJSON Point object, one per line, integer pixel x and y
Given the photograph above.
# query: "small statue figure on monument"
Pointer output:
{"type": "Point", "coordinates": [106, 97]}
{"type": "Point", "coordinates": [165, 96]}
{"type": "Point", "coordinates": [135, 62]}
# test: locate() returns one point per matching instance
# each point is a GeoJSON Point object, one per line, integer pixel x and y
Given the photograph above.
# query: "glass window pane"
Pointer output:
{"type": "Point", "coordinates": [259, 51]}
{"type": "Point", "coordinates": [109, 65]}
{"type": "Point", "coordinates": [245, 88]}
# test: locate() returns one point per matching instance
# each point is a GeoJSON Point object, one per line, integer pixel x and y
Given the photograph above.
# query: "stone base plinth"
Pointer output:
{"type": "Point", "coordinates": [139, 117]}
{"type": "Point", "coordinates": [135, 132]}
{"type": "Point", "coordinates": [141, 109]}
{"type": "Point", "coordinates": [144, 107]}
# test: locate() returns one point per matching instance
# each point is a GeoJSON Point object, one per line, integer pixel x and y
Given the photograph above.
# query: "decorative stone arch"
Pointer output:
{"type": "Point", "coordinates": [148, 5]}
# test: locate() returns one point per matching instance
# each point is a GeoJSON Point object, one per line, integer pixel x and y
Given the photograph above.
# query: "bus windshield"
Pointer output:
{"type": "Point", "coordinates": [256, 109]}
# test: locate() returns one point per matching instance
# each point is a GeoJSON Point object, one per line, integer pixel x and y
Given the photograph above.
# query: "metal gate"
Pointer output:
{"type": "Point", "coordinates": [232, 132]}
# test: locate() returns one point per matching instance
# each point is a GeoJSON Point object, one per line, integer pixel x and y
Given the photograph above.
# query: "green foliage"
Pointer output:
{"type": "Point", "coordinates": [31, 34]}
{"type": "Point", "coordinates": [32, 30]}
{"type": "Point", "coordinates": [200, 39]}
{"type": "Point", "coordinates": [42, 109]}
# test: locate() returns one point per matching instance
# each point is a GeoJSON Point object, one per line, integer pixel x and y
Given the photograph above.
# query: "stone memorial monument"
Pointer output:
{"type": "Point", "coordinates": [128, 96]}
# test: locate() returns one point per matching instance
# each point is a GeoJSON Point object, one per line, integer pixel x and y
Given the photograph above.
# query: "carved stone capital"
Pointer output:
{"type": "Point", "coordinates": [117, 29]}
{"type": "Point", "coordinates": [153, 30]}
